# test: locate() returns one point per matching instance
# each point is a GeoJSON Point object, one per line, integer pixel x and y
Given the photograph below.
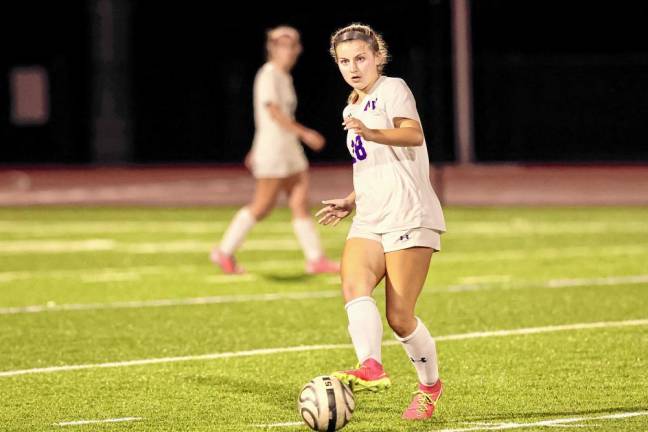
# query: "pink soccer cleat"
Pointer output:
{"type": "Point", "coordinates": [227, 263]}
{"type": "Point", "coordinates": [424, 402]}
{"type": "Point", "coordinates": [369, 375]}
{"type": "Point", "coordinates": [322, 266]}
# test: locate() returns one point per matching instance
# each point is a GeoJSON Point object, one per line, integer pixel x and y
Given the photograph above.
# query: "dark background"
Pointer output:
{"type": "Point", "coordinates": [553, 81]}
{"type": "Point", "coordinates": [560, 80]}
{"type": "Point", "coordinates": [56, 36]}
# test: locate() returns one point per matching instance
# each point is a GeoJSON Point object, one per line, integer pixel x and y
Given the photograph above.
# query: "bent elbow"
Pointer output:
{"type": "Point", "coordinates": [420, 139]}
{"type": "Point", "coordinates": [273, 110]}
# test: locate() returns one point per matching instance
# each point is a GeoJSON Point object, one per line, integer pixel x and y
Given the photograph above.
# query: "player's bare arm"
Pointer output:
{"type": "Point", "coordinates": [313, 139]}
{"type": "Point", "coordinates": [406, 132]}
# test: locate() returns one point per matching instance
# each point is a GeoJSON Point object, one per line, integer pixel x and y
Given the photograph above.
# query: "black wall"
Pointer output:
{"type": "Point", "coordinates": [56, 36]}
{"type": "Point", "coordinates": [554, 80]}
{"type": "Point", "coordinates": [194, 72]}
{"type": "Point", "coordinates": [561, 80]}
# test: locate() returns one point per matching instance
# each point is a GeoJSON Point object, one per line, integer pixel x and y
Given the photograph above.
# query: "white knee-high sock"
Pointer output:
{"type": "Point", "coordinates": [421, 349]}
{"type": "Point", "coordinates": [239, 227]}
{"type": "Point", "coordinates": [365, 328]}
{"type": "Point", "coordinates": [308, 238]}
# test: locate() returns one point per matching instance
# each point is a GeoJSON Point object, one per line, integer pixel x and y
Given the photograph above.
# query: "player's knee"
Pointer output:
{"type": "Point", "coordinates": [298, 208]}
{"type": "Point", "coordinates": [353, 289]}
{"type": "Point", "coordinates": [402, 322]}
{"type": "Point", "coordinates": [300, 213]}
{"type": "Point", "coordinates": [260, 212]}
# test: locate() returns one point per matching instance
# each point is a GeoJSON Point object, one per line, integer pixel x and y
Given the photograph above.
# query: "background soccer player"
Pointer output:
{"type": "Point", "coordinates": [277, 158]}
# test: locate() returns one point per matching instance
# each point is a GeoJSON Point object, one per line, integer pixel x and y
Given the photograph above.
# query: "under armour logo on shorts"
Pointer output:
{"type": "Point", "coordinates": [404, 237]}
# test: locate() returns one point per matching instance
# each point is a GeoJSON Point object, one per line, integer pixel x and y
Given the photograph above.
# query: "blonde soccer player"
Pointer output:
{"type": "Point", "coordinates": [398, 220]}
{"type": "Point", "coordinates": [277, 158]}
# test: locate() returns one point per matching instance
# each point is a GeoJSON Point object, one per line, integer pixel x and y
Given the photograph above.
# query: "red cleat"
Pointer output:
{"type": "Point", "coordinates": [227, 263]}
{"type": "Point", "coordinates": [369, 375]}
{"type": "Point", "coordinates": [424, 402]}
{"type": "Point", "coordinates": [322, 266]}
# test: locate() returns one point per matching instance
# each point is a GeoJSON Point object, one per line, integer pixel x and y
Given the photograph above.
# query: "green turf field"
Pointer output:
{"type": "Point", "coordinates": [101, 287]}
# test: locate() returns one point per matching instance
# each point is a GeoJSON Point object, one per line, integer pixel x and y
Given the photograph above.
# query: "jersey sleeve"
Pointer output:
{"type": "Point", "coordinates": [400, 101]}
{"type": "Point", "coordinates": [266, 88]}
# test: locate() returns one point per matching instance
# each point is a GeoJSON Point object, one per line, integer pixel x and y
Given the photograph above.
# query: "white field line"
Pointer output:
{"type": "Point", "coordinates": [56, 246]}
{"type": "Point", "coordinates": [124, 227]}
{"type": "Point", "coordinates": [483, 426]}
{"type": "Point", "coordinates": [87, 422]}
{"type": "Point", "coordinates": [544, 253]}
{"type": "Point", "coordinates": [611, 280]}
{"type": "Point", "coordinates": [172, 246]}
{"type": "Point", "coordinates": [104, 275]}
{"type": "Point", "coordinates": [132, 304]}
{"type": "Point", "coordinates": [278, 425]}
{"type": "Point", "coordinates": [192, 301]}
{"type": "Point", "coordinates": [273, 245]}
{"type": "Point", "coordinates": [513, 227]}
{"type": "Point", "coordinates": [94, 275]}
{"type": "Point", "coordinates": [108, 274]}
{"type": "Point", "coordinates": [216, 229]}
{"type": "Point", "coordinates": [191, 246]}
{"type": "Point", "coordinates": [547, 423]}
{"type": "Point", "coordinates": [231, 279]}
{"type": "Point", "coordinates": [555, 283]}
{"type": "Point", "coordinates": [469, 280]}
{"type": "Point", "coordinates": [528, 227]}
{"type": "Point", "coordinates": [108, 194]}
{"type": "Point", "coordinates": [124, 276]}
{"type": "Point", "coordinates": [272, 265]}
{"type": "Point", "coordinates": [536, 330]}
{"type": "Point", "coordinates": [306, 348]}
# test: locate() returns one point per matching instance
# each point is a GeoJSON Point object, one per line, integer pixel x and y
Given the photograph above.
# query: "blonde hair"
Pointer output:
{"type": "Point", "coordinates": [273, 34]}
{"type": "Point", "coordinates": [363, 32]}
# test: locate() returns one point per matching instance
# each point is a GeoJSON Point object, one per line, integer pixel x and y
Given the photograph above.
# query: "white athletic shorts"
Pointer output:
{"type": "Point", "coordinates": [398, 240]}
{"type": "Point", "coordinates": [277, 164]}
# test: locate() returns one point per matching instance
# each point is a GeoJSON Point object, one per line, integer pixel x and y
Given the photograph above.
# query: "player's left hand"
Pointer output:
{"type": "Point", "coordinates": [358, 128]}
{"type": "Point", "coordinates": [335, 211]}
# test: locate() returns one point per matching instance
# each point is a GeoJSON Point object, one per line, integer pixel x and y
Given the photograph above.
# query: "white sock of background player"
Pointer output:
{"type": "Point", "coordinates": [242, 223]}
{"type": "Point", "coordinates": [308, 238]}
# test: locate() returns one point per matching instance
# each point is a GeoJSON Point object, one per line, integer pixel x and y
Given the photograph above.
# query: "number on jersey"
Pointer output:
{"type": "Point", "coordinates": [359, 152]}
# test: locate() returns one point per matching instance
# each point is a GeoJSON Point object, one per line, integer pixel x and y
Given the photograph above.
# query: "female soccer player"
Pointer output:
{"type": "Point", "coordinates": [398, 218]}
{"type": "Point", "coordinates": [277, 158]}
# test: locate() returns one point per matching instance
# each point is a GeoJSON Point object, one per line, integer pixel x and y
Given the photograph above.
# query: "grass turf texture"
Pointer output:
{"type": "Point", "coordinates": [502, 268]}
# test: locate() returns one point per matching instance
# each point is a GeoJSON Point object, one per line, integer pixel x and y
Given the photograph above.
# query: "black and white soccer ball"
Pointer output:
{"type": "Point", "coordinates": [326, 404]}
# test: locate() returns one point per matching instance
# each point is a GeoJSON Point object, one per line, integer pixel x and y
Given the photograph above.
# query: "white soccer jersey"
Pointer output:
{"type": "Point", "coordinates": [277, 152]}
{"type": "Point", "coordinates": [392, 184]}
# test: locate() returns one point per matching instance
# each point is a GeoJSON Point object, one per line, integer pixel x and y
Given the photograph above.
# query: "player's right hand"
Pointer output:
{"type": "Point", "coordinates": [334, 212]}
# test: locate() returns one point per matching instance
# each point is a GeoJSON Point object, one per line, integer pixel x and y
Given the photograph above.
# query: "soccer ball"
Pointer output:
{"type": "Point", "coordinates": [326, 404]}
